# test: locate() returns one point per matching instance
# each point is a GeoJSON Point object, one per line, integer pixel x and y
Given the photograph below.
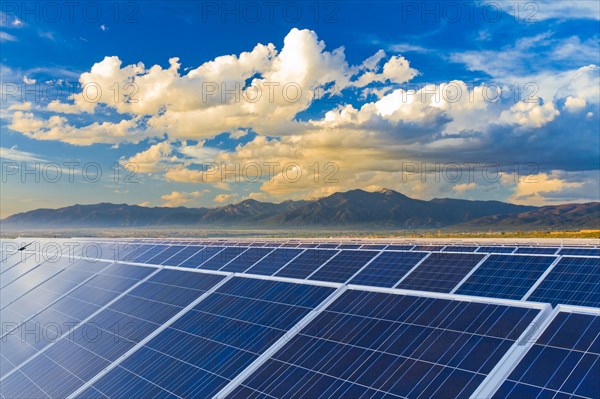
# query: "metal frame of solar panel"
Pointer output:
{"type": "Point", "coordinates": [278, 341]}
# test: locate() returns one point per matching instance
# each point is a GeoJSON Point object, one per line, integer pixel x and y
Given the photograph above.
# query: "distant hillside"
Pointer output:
{"type": "Point", "coordinates": [355, 209]}
{"type": "Point", "coordinates": [558, 217]}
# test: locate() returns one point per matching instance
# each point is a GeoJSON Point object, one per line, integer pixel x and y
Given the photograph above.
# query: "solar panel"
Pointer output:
{"type": "Point", "coordinates": [145, 253]}
{"type": "Point", "coordinates": [306, 263]}
{"type": "Point", "coordinates": [387, 268]}
{"type": "Point", "coordinates": [563, 363]}
{"type": "Point", "coordinates": [536, 250]}
{"type": "Point", "coordinates": [343, 266]}
{"type": "Point", "coordinates": [164, 255]}
{"type": "Point", "coordinates": [200, 257]}
{"type": "Point", "coordinates": [246, 260]}
{"type": "Point", "coordinates": [20, 268]}
{"type": "Point", "coordinates": [506, 276]}
{"type": "Point", "coordinates": [374, 246]}
{"type": "Point", "coordinates": [274, 261]}
{"type": "Point", "coordinates": [440, 272]}
{"type": "Point", "coordinates": [90, 348]}
{"type": "Point", "coordinates": [182, 255]}
{"type": "Point", "coordinates": [428, 248]}
{"type": "Point", "coordinates": [572, 281]}
{"type": "Point", "coordinates": [38, 298]}
{"type": "Point", "coordinates": [580, 251]}
{"type": "Point", "coordinates": [16, 259]}
{"type": "Point", "coordinates": [307, 245]}
{"type": "Point", "coordinates": [375, 345]}
{"type": "Point", "coordinates": [222, 258]}
{"type": "Point", "coordinates": [174, 341]}
{"type": "Point", "coordinates": [456, 248]}
{"type": "Point", "coordinates": [497, 250]}
{"type": "Point", "coordinates": [61, 317]}
{"type": "Point", "coordinates": [399, 247]}
{"type": "Point", "coordinates": [206, 348]}
{"type": "Point", "coordinates": [349, 246]}
{"type": "Point", "coordinates": [327, 245]}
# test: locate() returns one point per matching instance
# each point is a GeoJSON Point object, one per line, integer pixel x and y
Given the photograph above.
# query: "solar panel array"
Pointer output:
{"type": "Point", "coordinates": [291, 318]}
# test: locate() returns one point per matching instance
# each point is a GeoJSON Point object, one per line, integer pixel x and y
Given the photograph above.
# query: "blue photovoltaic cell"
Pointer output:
{"type": "Point", "coordinates": [182, 255]}
{"type": "Point", "coordinates": [497, 250]}
{"type": "Point", "coordinates": [306, 263]}
{"type": "Point", "coordinates": [349, 246]}
{"type": "Point", "coordinates": [308, 245]}
{"type": "Point", "coordinates": [63, 315]}
{"type": "Point", "coordinates": [246, 260]}
{"type": "Point", "coordinates": [328, 245]}
{"type": "Point", "coordinates": [73, 360]}
{"type": "Point", "coordinates": [440, 272]}
{"type": "Point", "coordinates": [274, 261]}
{"type": "Point", "coordinates": [456, 248]}
{"type": "Point", "coordinates": [506, 276]}
{"type": "Point", "coordinates": [536, 250]}
{"type": "Point", "coordinates": [388, 268]}
{"type": "Point", "coordinates": [137, 251]}
{"type": "Point", "coordinates": [210, 345]}
{"type": "Point", "coordinates": [399, 247]}
{"type": "Point", "coordinates": [343, 266]}
{"type": "Point", "coordinates": [201, 257]}
{"type": "Point", "coordinates": [222, 258]}
{"type": "Point", "coordinates": [580, 251]}
{"type": "Point", "coordinates": [374, 246]}
{"type": "Point", "coordinates": [376, 345]}
{"type": "Point", "coordinates": [572, 281]}
{"type": "Point", "coordinates": [151, 253]}
{"type": "Point", "coordinates": [428, 248]}
{"type": "Point", "coordinates": [563, 363]}
{"type": "Point", "coordinates": [164, 255]}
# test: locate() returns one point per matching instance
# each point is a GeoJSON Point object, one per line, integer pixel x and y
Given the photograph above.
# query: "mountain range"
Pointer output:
{"type": "Point", "coordinates": [355, 209]}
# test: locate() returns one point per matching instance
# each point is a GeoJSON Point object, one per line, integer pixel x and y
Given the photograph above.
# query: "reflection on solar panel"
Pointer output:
{"type": "Point", "coordinates": [21, 268]}
{"type": "Point", "coordinates": [306, 263]}
{"type": "Point", "coordinates": [387, 268]}
{"type": "Point", "coordinates": [572, 281]}
{"type": "Point", "coordinates": [497, 250]}
{"type": "Point", "coordinates": [563, 363]}
{"type": "Point", "coordinates": [440, 272]}
{"type": "Point", "coordinates": [274, 261]}
{"type": "Point", "coordinates": [62, 316]}
{"type": "Point", "coordinates": [506, 276]}
{"type": "Point", "coordinates": [209, 346]}
{"type": "Point", "coordinates": [76, 358]}
{"type": "Point", "coordinates": [370, 344]}
{"type": "Point", "coordinates": [33, 301]}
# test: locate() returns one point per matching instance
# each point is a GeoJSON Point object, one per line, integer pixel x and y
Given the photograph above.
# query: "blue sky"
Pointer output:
{"type": "Point", "coordinates": [484, 100]}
